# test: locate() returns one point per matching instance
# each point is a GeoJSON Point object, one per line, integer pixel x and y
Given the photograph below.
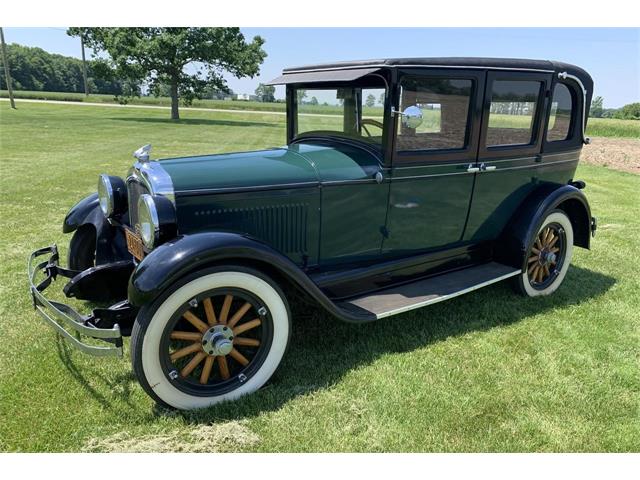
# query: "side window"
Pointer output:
{"type": "Point", "coordinates": [561, 113]}
{"type": "Point", "coordinates": [512, 112]}
{"type": "Point", "coordinates": [445, 113]}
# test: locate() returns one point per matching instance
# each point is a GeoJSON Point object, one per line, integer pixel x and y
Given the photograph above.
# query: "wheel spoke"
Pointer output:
{"type": "Point", "coordinates": [239, 357]}
{"type": "Point", "coordinates": [239, 314]}
{"type": "Point", "coordinates": [195, 321]}
{"type": "Point", "coordinates": [246, 342]}
{"type": "Point", "coordinates": [540, 273]}
{"type": "Point", "coordinates": [533, 259]}
{"type": "Point", "coordinates": [195, 361]}
{"type": "Point", "coordinates": [226, 306]}
{"type": "Point", "coordinates": [534, 273]}
{"type": "Point", "coordinates": [535, 250]}
{"type": "Point", "coordinates": [554, 240]}
{"type": "Point", "coordinates": [192, 336]}
{"type": "Point", "coordinates": [206, 370]}
{"type": "Point", "coordinates": [546, 271]}
{"type": "Point", "coordinates": [246, 326]}
{"type": "Point", "coordinates": [548, 236]}
{"type": "Point", "coordinates": [183, 352]}
{"type": "Point", "coordinates": [224, 367]}
{"type": "Point", "coordinates": [532, 268]}
{"type": "Point", "coordinates": [554, 250]}
{"type": "Point", "coordinates": [211, 314]}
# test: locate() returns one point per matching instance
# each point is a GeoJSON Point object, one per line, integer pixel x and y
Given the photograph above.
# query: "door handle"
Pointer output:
{"type": "Point", "coordinates": [472, 169]}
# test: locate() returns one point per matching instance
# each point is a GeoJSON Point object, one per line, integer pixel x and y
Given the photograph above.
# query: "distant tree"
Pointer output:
{"type": "Point", "coordinates": [381, 99]}
{"type": "Point", "coordinates": [266, 93]}
{"type": "Point", "coordinates": [33, 68]}
{"type": "Point", "coordinates": [628, 112]}
{"type": "Point", "coordinates": [302, 94]}
{"type": "Point", "coordinates": [159, 55]}
{"type": "Point", "coordinates": [597, 106]}
{"type": "Point", "coordinates": [370, 101]}
{"type": "Point", "coordinates": [313, 101]}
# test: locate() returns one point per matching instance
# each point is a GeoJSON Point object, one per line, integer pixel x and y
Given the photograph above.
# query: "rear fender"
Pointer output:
{"type": "Point", "coordinates": [514, 241]}
{"type": "Point", "coordinates": [177, 258]}
{"type": "Point", "coordinates": [111, 245]}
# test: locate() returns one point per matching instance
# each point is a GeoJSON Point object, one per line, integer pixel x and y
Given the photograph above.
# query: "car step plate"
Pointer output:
{"type": "Point", "coordinates": [392, 301]}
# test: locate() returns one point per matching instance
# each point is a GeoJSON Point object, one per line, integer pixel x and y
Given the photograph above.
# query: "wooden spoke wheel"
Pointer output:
{"type": "Point", "coordinates": [548, 257]}
{"type": "Point", "coordinates": [545, 256]}
{"type": "Point", "coordinates": [216, 335]}
{"type": "Point", "coordinates": [370, 121]}
{"type": "Point", "coordinates": [215, 340]}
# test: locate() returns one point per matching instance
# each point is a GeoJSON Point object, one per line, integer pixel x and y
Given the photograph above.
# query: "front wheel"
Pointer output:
{"type": "Point", "coordinates": [548, 257]}
{"type": "Point", "coordinates": [217, 335]}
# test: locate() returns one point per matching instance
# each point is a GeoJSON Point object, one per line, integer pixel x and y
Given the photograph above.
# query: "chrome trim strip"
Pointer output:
{"type": "Point", "coordinates": [564, 76]}
{"type": "Point", "coordinates": [538, 165]}
{"type": "Point", "coordinates": [154, 177]}
{"type": "Point", "coordinates": [206, 191]}
{"type": "Point", "coordinates": [447, 297]}
{"type": "Point", "coordinates": [434, 175]}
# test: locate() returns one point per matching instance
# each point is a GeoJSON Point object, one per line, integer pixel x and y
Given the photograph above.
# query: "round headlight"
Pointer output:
{"type": "Point", "coordinates": [148, 219]}
{"type": "Point", "coordinates": [112, 194]}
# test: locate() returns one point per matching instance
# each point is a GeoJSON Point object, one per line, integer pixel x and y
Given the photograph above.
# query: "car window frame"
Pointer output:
{"type": "Point", "coordinates": [574, 140]}
{"type": "Point", "coordinates": [415, 158]}
{"type": "Point", "coordinates": [533, 148]}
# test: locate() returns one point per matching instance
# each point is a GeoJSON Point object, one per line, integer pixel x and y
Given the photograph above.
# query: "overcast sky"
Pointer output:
{"type": "Point", "coordinates": [611, 56]}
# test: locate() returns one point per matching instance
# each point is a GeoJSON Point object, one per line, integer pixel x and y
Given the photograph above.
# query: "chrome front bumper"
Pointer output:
{"type": "Point", "coordinates": [64, 319]}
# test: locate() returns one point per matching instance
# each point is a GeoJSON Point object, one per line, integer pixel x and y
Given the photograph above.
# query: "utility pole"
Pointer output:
{"type": "Point", "coordinates": [5, 60]}
{"type": "Point", "coordinates": [84, 68]}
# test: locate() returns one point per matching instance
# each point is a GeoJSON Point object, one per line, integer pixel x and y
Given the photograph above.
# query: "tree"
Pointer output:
{"type": "Point", "coordinates": [628, 112]}
{"type": "Point", "coordinates": [302, 94]}
{"type": "Point", "coordinates": [597, 106]}
{"type": "Point", "coordinates": [313, 101]}
{"type": "Point", "coordinates": [160, 55]}
{"type": "Point", "coordinates": [371, 100]}
{"type": "Point", "coordinates": [266, 93]}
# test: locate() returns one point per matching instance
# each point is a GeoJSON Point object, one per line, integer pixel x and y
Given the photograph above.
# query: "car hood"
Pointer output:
{"type": "Point", "coordinates": [298, 164]}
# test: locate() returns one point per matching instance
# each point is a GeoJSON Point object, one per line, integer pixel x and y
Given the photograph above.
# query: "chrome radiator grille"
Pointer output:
{"type": "Point", "coordinates": [134, 190]}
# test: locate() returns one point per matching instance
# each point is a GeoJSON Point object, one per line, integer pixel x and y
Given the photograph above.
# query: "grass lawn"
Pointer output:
{"type": "Point", "coordinates": [488, 371]}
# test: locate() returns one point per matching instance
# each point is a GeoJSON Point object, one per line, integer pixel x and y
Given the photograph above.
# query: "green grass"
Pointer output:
{"type": "Point", "coordinates": [488, 371]}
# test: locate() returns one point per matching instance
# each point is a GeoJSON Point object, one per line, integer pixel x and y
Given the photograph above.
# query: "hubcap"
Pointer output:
{"type": "Point", "coordinates": [218, 340]}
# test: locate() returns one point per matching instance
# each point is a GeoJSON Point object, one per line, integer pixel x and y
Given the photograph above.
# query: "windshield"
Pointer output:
{"type": "Point", "coordinates": [351, 111]}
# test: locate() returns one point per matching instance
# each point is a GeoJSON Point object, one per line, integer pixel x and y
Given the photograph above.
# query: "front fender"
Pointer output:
{"type": "Point", "coordinates": [171, 261]}
{"type": "Point", "coordinates": [79, 212]}
{"type": "Point", "coordinates": [514, 241]}
{"type": "Point", "coordinates": [111, 244]}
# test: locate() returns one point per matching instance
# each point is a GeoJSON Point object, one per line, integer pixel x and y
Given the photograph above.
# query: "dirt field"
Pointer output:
{"type": "Point", "coordinates": [617, 153]}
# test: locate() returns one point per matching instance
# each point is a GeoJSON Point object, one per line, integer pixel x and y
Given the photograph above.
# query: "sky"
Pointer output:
{"type": "Point", "coordinates": [610, 55]}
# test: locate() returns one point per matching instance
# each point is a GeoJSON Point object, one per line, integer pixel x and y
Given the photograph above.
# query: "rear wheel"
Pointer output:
{"type": "Point", "coordinates": [82, 249]}
{"type": "Point", "coordinates": [548, 257]}
{"type": "Point", "coordinates": [215, 336]}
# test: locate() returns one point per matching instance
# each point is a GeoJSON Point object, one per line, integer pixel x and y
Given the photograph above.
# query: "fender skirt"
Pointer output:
{"type": "Point", "coordinates": [173, 260]}
{"type": "Point", "coordinates": [111, 245]}
{"type": "Point", "coordinates": [514, 241]}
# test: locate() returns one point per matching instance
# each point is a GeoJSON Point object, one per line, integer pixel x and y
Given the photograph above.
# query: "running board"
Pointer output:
{"type": "Point", "coordinates": [421, 293]}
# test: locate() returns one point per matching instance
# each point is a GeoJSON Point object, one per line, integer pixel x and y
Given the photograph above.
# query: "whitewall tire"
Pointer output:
{"type": "Point", "coordinates": [217, 335]}
{"type": "Point", "coordinates": [548, 256]}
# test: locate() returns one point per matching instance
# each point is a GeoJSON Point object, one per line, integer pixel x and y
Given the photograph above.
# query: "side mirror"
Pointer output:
{"type": "Point", "coordinates": [412, 117]}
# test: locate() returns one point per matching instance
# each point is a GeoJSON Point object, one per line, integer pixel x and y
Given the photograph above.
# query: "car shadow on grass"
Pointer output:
{"type": "Point", "coordinates": [322, 350]}
{"type": "Point", "coordinates": [199, 121]}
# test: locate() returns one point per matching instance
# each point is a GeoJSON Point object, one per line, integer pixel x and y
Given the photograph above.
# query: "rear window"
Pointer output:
{"type": "Point", "coordinates": [561, 113]}
{"type": "Point", "coordinates": [512, 112]}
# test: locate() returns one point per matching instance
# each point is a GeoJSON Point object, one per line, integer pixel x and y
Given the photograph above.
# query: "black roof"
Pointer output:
{"type": "Point", "coordinates": [461, 62]}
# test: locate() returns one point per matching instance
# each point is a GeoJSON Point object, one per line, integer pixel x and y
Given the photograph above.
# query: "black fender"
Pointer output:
{"type": "Point", "coordinates": [513, 244]}
{"type": "Point", "coordinates": [111, 244]}
{"type": "Point", "coordinates": [171, 261]}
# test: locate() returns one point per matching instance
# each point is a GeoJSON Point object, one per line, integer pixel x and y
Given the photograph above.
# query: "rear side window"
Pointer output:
{"type": "Point", "coordinates": [561, 114]}
{"type": "Point", "coordinates": [512, 113]}
{"type": "Point", "coordinates": [445, 113]}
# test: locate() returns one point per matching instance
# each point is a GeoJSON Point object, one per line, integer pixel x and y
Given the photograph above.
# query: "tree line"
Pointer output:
{"type": "Point", "coordinates": [33, 68]}
{"type": "Point", "coordinates": [630, 111]}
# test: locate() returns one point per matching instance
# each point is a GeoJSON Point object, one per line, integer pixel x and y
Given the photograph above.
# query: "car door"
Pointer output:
{"type": "Point", "coordinates": [509, 156]}
{"type": "Point", "coordinates": [433, 165]}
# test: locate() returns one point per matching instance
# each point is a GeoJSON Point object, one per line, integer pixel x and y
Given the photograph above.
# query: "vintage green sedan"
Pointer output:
{"type": "Point", "coordinates": [404, 182]}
